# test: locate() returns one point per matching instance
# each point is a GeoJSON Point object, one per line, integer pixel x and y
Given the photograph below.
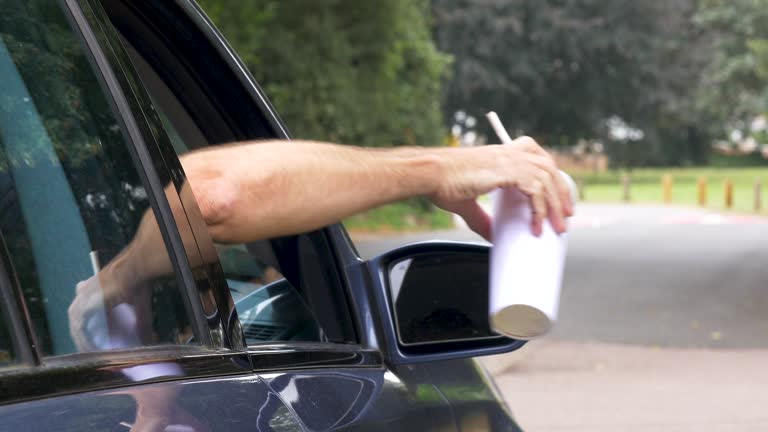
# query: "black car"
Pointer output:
{"type": "Point", "coordinates": [98, 99]}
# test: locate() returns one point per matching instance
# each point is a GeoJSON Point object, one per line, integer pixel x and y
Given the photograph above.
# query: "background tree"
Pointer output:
{"type": "Point", "coordinates": [358, 72]}
{"type": "Point", "coordinates": [736, 79]}
{"type": "Point", "coordinates": [559, 70]}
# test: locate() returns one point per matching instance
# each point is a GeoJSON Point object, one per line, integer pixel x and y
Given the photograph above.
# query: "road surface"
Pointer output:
{"type": "Point", "coordinates": [659, 276]}
{"type": "Point", "coordinates": [663, 325]}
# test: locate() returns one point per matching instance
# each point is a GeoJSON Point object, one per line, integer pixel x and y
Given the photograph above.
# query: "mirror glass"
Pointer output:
{"type": "Point", "coordinates": [441, 297]}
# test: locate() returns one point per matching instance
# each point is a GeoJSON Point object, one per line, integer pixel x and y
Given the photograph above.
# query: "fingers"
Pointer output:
{"type": "Point", "coordinates": [529, 145]}
{"type": "Point", "coordinates": [555, 205]}
{"type": "Point", "coordinates": [539, 210]}
{"type": "Point", "coordinates": [88, 297]}
{"type": "Point", "coordinates": [476, 218]}
{"type": "Point", "coordinates": [521, 164]}
{"type": "Point", "coordinates": [538, 178]}
{"type": "Point", "coordinates": [557, 190]}
{"type": "Point", "coordinates": [563, 191]}
{"type": "Point", "coordinates": [562, 198]}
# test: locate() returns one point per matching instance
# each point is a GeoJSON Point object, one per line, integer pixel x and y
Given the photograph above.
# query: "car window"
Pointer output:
{"type": "Point", "coordinates": [282, 289]}
{"type": "Point", "coordinates": [268, 305]}
{"type": "Point", "coordinates": [72, 201]}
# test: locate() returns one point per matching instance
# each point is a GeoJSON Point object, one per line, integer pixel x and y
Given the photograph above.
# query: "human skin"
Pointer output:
{"type": "Point", "coordinates": [266, 189]}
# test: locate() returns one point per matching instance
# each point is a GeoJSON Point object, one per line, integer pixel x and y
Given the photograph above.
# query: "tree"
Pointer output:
{"type": "Point", "coordinates": [357, 72]}
{"type": "Point", "coordinates": [558, 70]}
{"type": "Point", "coordinates": [736, 79]}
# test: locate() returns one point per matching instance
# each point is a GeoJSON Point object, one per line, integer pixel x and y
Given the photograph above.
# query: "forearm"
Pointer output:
{"type": "Point", "coordinates": [267, 189]}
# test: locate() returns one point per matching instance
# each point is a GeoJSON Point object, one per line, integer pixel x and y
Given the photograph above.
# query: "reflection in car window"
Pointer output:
{"type": "Point", "coordinates": [70, 198]}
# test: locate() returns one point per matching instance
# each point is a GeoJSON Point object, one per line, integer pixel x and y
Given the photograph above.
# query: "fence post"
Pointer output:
{"type": "Point", "coordinates": [666, 182]}
{"type": "Point", "coordinates": [758, 195]}
{"type": "Point", "coordinates": [580, 188]}
{"type": "Point", "coordinates": [702, 191]}
{"type": "Point", "coordinates": [728, 189]}
{"type": "Point", "coordinates": [626, 182]}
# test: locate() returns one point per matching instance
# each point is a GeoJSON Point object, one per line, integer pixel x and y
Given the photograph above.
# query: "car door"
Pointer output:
{"type": "Point", "coordinates": [291, 303]}
{"type": "Point", "coordinates": [79, 184]}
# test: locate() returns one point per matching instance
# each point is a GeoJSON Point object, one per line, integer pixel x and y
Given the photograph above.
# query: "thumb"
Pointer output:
{"type": "Point", "coordinates": [476, 218]}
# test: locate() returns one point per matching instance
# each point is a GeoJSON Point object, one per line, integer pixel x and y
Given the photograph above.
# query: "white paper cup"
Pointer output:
{"type": "Point", "coordinates": [526, 271]}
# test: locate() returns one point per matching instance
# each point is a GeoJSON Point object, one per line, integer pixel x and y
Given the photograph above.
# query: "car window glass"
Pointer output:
{"type": "Point", "coordinates": [72, 204]}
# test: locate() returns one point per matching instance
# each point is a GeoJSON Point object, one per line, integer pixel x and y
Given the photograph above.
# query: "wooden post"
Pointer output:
{"type": "Point", "coordinates": [728, 190]}
{"type": "Point", "coordinates": [758, 195]}
{"type": "Point", "coordinates": [626, 182]}
{"type": "Point", "coordinates": [580, 188]}
{"type": "Point", "coordinates": [702, 191]}
{"type": "Point", "coordinates": [666, 183]}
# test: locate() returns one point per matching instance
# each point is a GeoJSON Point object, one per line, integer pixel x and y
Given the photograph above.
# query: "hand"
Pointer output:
{"type": "Point", "coordinates": [89, 311]}
{"type": "Point", "coordinates": [85, 326]}
{"type": "Point", "coordinates": [523, 164]}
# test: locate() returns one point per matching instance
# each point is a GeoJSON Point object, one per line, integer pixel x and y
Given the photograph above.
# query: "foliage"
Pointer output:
{"type": "Point", "coordinates": [364, 73]}
{"type": "Point", "coordinates": [683, 72]}
{"type": "Point", "coordinates": [558, 70]}
{"type": "Point", "coordinates": [400, 216]}
{"type": "Point", "coordinates": [736, 79]}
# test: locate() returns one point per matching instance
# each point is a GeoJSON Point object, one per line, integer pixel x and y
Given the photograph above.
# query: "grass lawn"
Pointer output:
{"type": "Point", "coordinates": [646, 186]}
{"type": "Point", "coordinates": [399, 217]}
{"type": "Point", "coordinates": [602, 187]}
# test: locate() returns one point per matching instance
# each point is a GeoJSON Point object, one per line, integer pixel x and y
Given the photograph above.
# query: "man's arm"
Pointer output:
{"type": "Point", "coordinates": [265, 189]}
{"type": "Point", "coordinates": [261, 190]}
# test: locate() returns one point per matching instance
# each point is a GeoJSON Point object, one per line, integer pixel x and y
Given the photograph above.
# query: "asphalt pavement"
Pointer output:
{"type": "Point", "coordinates": [652, 275]}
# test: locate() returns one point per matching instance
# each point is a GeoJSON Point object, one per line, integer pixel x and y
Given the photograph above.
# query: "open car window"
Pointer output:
{"type": "Point", "coordinates": [284, 289]}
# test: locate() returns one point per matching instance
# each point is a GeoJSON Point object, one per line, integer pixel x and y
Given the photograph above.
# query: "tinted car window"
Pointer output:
{"type": "Point", "coordinates": [71, 200]}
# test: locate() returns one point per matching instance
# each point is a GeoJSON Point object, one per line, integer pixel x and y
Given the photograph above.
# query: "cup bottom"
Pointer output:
{"type": "Point", "coordinates": [521, 322]}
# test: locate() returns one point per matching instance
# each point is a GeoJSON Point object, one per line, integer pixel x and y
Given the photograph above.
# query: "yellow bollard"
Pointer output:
{"type": "Point", "coordinates": [666, 183]}
{"type": "Point", "coordinates": [702, 191]}
{"type": "Point", "coordinates": [728, 190]}
{"type": "Point", "coordinates": [758, 195]}
{"type": "Point", "coordinates": [626, 182]}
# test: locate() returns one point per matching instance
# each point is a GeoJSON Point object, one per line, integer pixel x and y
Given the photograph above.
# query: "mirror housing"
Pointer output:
{"type": "Point", "coordinates": [433, 302]}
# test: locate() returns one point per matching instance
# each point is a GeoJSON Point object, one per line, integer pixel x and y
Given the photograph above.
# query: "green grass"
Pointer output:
{"type": "Point", "coordinates": [601, 187]}
{"type": "Point", "coordinates": [401, 216]}
{"type": "Point", "coordinates": [646, 186]}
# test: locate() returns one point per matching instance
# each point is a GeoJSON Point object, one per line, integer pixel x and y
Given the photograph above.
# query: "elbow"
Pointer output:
{"type": "Point", "coordinates": [217, 199]}
{"type": "Point", "coordinates": [217, 196]}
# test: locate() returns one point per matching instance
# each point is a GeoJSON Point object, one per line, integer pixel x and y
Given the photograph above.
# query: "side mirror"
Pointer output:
{"type": "Point", "coordinates": [433, 298]}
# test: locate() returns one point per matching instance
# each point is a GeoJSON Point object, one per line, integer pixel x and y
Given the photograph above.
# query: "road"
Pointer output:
{"type": "Point", "coordinates": [663, 325]}
{"type": "Point", "coordinates": [658, 276]}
